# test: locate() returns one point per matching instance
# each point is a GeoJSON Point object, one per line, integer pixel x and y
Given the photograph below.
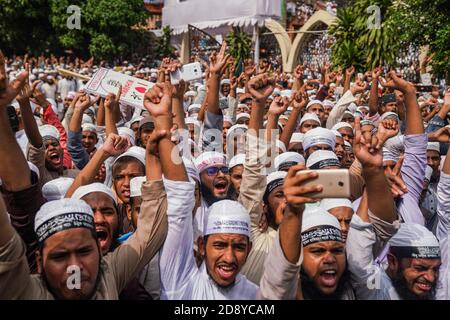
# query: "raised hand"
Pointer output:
{"type": "Point", "coordinates": [27, 91]}
{"type": "Point", "coordinates": [10, 91]}
{"type": "Point", "coordinates": [300, 100]}
{"type": "Point", "coordinates": [387, 128]}
{"type": "Point", "coordinates": [279, 105]}
{"type": "Point", "coordinates": [153, 140]}
{"type": "Point", "coordinates": [115, 144]}
{"type": "Point", "coordinates": [376, 73]}
{"type": "Point", "coordinates": [297, 195]}
{"type": "Point", "coordinates": [112, 100]}
{"type": "Point", "coordinates": [359, 87]}
{"type": "Point", "coordinates": [441, 135]}
{"type": "Point", "coordinates": [395, 181]}
{"type": "Point", "coordinates": [349, 72]}
{"type": "Point", "coordinates": [298, 72]}
{"type": "Point", "coordinates": [261, 87]}
{"type": "Point", "coordinates": [249, 67]}
{"type": "Point", "coordinates": [83, 102]}
{"type": "Point", "coordinates": [365, 151]}
{"type": "Point", "coordinates": [218, 62]}
{"type": "Point", "coordinates": [158, 100]}
{"type": "Point", "coordinates": [397, 83]}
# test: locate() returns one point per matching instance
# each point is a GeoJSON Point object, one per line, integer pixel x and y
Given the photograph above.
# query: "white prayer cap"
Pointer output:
{"type": "Point", "coordinates": [190, 93]}
{"type": "Point", "coordinates": [348, 113]}
{"type": "Point", "coordinates": [191, 170]}
{"type": "Point", "coordinates": [86, 119]}
{"type": "Point", "coordinates": [322, 158]}
{"type": "Point", "coordinates": [280, 145]}
{"type": "Point", "coordinates": [136, 185]}
{"type": "Point", "coordinates": [93, 187]}
{"type": "Point", "coordinates": [48, 131]}
{"type": "Point", "coordinates": [388, 155]}
{"type": "Point", "coordinates": [288, 159]}
{"type": "Point", "coordinates": [71, 95]}
{"type": "Point", "coordinates": [331, 203]}
{"type": "Point", "coordinates": [318, 225]}
{"type": "Point", "coordinates": [56, 189]}
{"type": "Point", "coordinates": [89, 127]}
{"type": "Point", "coordinates": [192, 120]}
{"type": "Point", "coordinates": [317, 136]}
{"type": "Point", "coordinates": [225, 81]}
{"type": "Point", "coordinates": [415, 241]}
{"type": "Point", "coordinates": [297, 137]}
{"type": "Point", "coordinates": [360, 108]}
{"type": "Point", "coordinates": [286, 93]}
{"type": "Point", "coordinates": [285, 117]}
{"type": "Point", "coordinates": [240, 128]}
{"type": "Point", "coordinates": [195, 107]}
{"type": "Point", "coordinates": [337, 133]}
{"type": "Point", "coordinates": [240, 90]}
{"type": "Point", "coordinates": [135, 119]}
{"type": "Point", "coordinates": [127, 132]}
{"type": "Point", "coordinates": [395, 144]}
{"type": "Point", "coordinates": [352, 107]}
{"type": "Point", "coordinates": [227, 216]}
{"type": "Point", "coordinates": [389, 115]}
{"type": "Point", "coordinates": [276, 91]}
{"type": "Point", "coordinates": [366, 122]}
{"type": "Point", "coordinates": [348, 146]}
{"type": "Point", "coordinates": [59, 215]}
{"type": "Point", "coordinates": [433, 146]}
{"type": "Point", "coordinates": [243, 105]}
{"type": "Point", "coordinates": [309, 116]}
{"type": "Point", "coordinates": [318, 216]}
{"type": "Point", "coordinates": [227, 119]}
{"type": "Point", "coordinates": [428, 173]}
{"type": "Point", "coordinates": [237, 160]}
{"type": "Point", "coordinates": [328, 103]}
{"type": "Point", "coordinates": [243, 115]}
{"type": "Point", "coordinates": [313, 102]}
{"type": "Point", "coordinates": [274, 180]}
{"type": "Point", "coordinates": [341, 125]}
{"type": "Point", "coordinates": [135, 152]}
{"type": "Point", "coordinates": [210, 159]}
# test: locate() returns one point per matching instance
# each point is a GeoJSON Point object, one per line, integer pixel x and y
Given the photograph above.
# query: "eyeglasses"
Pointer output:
{"type": "Point", "coordinates": [212, 171]}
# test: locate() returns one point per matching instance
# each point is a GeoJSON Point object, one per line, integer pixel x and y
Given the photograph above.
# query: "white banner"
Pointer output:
{"type": "Point", "coordinates": [106, 81]}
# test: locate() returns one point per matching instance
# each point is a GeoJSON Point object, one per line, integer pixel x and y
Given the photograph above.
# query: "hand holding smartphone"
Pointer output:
{"type": "Point", "coordinates": [335, 183]}
{"type": "Point", "coordinates": [188, 72]}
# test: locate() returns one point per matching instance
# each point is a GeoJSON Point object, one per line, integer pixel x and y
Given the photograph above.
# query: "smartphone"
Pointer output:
{"type": "Point", "coordinates": [335, 182]}
{"type": "Point", "coordinates": [188, 72]}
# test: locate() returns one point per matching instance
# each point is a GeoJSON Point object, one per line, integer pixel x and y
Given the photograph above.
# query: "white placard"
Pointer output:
{"type": "Point", "coordinates": [106, 81]}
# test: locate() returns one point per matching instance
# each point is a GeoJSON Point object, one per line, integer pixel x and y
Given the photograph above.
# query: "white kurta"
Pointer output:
{"type": "Point", "coordinates": [180, 276]}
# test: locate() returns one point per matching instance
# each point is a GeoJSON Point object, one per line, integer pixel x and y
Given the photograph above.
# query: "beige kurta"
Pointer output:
{"type": "Point", "coordinates": [118, 267]}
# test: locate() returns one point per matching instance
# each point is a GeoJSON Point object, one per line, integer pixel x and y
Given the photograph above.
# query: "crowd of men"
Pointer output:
{"type": "Point", "coordinates": [202, 192]}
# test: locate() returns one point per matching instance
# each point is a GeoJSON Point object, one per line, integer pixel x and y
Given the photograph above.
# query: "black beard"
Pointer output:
{"type": "Point", "coordinates": [311, 292]}
{"type": "Point", "coordinates": [210, 198]}
{"type": "Point", "coordinates": [399, 283]}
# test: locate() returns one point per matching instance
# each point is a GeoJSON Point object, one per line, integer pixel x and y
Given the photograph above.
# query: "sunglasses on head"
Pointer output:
{"type": "Point", "coordinates": [212, 171]}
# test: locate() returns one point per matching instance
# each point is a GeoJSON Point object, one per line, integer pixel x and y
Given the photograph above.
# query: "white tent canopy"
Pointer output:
{"type": "Point", "coordinates": [212, 14]}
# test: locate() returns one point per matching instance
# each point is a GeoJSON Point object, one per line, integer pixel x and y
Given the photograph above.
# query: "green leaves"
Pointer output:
{"type": "Point", "coordinates": [239, 44]}
{"type": "Point", "coordinates": [360, 45]}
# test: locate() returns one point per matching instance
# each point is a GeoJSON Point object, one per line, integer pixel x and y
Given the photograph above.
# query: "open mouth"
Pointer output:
{"type": "Point", "coordinates": [328, 278]}
{"type": "Point", "coordinates": [221, 186]}
{"type": "Point", "coordinates": [126, 193]}
{"type": "Point", "coordinates": [103, 237]}
{"type": "Point", "coordinates": [55, 159]}
{"type": "Point", "coordinates": [424, 286]}
{"type": "Point", "coordinates": [227, 272]}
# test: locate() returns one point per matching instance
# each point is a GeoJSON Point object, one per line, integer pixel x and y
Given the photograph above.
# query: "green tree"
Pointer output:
{"type": "Point", "coordinates": [25, 27]}
{"type": "Point", "coordinates": [359, 40]}
{"type": "Point", "coordinates": [109, 28]}
{"type": "Point", "coordinates": [239, 47]}
{"type": "Point", "coordinates": [163, 46]}
{"type": "Point", "coordinates": [426, 22]}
